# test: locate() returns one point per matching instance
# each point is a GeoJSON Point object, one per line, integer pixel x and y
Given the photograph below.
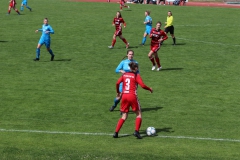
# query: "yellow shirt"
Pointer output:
{"type": "Point", "coordinates": [169, 21]}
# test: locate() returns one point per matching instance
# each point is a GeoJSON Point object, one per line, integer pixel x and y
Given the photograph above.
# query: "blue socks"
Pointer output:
{"type": "Point", "coordinates": [144, 40]}
{"type": "Point", "coordinates": [37, 52]}
{"type": "Point", "coordinates": [51, 52]}
{"type": "Point", "coordinates": [116, 101]}
{"type": "Point", "coordinates": [22, 7]}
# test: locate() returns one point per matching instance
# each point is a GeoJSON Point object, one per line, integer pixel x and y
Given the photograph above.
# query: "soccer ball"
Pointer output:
{"type": "Point", "coordinates": [151, 131]}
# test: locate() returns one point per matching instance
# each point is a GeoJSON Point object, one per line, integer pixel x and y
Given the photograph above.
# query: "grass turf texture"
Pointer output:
{"type": "Point", "coordinates": [195, 95]}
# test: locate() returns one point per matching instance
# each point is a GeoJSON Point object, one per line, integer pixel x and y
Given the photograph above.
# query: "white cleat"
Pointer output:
{"type": "Point", "coordinates": [153, 68]}
{"type": "Point", "coordinates": [111, 47]}
{"type": "Point", "coordinates": [128, 6]}
{"type": "Point", "coordinates": [158, 69]}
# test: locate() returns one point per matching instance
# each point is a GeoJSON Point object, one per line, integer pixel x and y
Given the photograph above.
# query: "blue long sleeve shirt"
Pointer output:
{"type": "Point", "coordinates": [46, 36]}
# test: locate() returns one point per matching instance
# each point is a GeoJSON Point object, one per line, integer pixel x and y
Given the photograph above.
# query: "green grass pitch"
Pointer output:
{"type": "Point", "coordinates": [59, 110]}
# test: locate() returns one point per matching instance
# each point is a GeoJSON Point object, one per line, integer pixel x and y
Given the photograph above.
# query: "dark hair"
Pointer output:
{"type": "Point", "coordinates": [120, 15]}
{"type": "Point", "coordinates": [133, 65]}
{"type": "Point", "coordinates": [170, 12]}
{"type": "Point", "coordinates": [127, 53]}
{"type": "Point", "coordinates": [148, 12]}
{"type": "Point", "coordinates": [159, 22]}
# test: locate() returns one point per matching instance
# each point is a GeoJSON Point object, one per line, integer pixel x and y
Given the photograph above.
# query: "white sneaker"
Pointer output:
{"type": "Point", "coordinates": [153, 68]}
{"type": "Point", "coordinates": [128, 6]}
{"type": "Point", "coordinates": [158, 69]}
{"type": "Point", "coordinates": [110, 47]}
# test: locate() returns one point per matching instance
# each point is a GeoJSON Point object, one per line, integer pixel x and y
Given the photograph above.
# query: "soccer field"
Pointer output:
{"type": "Point", "coordinates": [60, 109]}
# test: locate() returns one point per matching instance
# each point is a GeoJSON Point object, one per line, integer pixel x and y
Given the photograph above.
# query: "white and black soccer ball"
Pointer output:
{"type": "Point", "coordinates": [151, 131]}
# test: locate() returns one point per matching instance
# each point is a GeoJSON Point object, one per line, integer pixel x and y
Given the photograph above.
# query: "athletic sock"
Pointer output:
{"type": "Point", "coordinates": [113, 42]}
{"type": "Point", "coordinates": [51, 52]}
{"type": "Point", "coordinates": [119, 124]}
{"type": "Point", "coordinates": [28, 8]}
{"type": "Point", "coordinates": [37, 52]}
{"type": "Point", "coordinates": [116, 101]}
{"type": "Point", "coordinates": [152, 60]}
{"type": "Point", "coordinates": [125, 41]}
{"type": "Point", "coordinates": [138, 123]}
{"type": "Point", "coordinates": [144, 40]}
{"type": "Point", "coordinates": [158, 62]}
{"type": "Point", "coordinates": [21, 8]}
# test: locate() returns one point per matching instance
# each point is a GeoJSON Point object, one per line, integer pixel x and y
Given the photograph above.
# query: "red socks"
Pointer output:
{"type": "Point", "coordinates": [119, 125]}
{"type": "Point", "coordinates": [138, 123]}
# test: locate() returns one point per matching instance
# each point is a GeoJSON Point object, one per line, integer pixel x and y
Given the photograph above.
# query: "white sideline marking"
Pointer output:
{"type": "Point", "coordinates": [107, 134]}
{"type": "Point", "coordinates": [235, 45]}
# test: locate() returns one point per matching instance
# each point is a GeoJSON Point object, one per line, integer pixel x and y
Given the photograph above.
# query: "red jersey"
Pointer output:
{"type": "Point", "coordinates": [156, 35]}
{"type": "Point", "coordinates": [130, 82]}
{"type": "Point", "coordinates": [117, 22]}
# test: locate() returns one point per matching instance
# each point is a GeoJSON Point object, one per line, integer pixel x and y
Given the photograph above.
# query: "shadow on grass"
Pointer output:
{"type": "Point", "coordinates": [178, 44]}
{"type": "Point", "coordinates": [3, 41]}
{"type": "Point", "coordinates": [142, 109]}
{"type": "Point", "coordinates": [169, 69]}
{"type": "Point", "coordinates": [62, 59]}
{"type": "Point", "coordinates": [150, 109]}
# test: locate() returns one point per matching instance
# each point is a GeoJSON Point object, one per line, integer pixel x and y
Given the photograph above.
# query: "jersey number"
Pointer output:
{"type": "Point", "coordinates": [127, 86]}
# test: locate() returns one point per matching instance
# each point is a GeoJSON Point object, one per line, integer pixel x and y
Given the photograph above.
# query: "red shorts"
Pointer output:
{"type": "Point", "coordinates": [12, 5]}
{"type": "Point", "coordinates": [155, 47]}
{"type": "Point", "coordinates": [118, 33]}
{"type": "Point", "coordinates": [129, 100]}
{"type": "Point", "coordinates": [122, 3]}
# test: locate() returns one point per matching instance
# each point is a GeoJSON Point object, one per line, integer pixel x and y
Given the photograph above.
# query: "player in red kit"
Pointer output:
{"type": "Point", "coordinates": [158, 36]}
{"type": "Point", "coordinates": [12, 4]}
{"type": "Point", "coordinates": [117, 22]}
{"type": "Point", "coordinates": [130, 82]}
{"type": "Point", "coordinates": [122, 4]}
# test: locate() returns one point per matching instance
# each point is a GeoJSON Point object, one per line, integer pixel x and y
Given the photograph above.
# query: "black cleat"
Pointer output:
{"type": "Point", "coordinates": [115, 135]}
{"type": "Point", "coordinates": [141, 44]}
{"type": "Point", "coordinates": [137, 134]}
{"type": "Point", "coordinates": [36, 59]}
{"type": "Point", "coordinates": [30, 9]}
{"type": "Point", "coordinates": [112, 108]}
{"type": "Point", "coordinates": [52, 58]}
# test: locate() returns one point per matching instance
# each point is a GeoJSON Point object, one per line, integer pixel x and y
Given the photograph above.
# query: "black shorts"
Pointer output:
{"type": "Point", "coordinates": [169, 29]}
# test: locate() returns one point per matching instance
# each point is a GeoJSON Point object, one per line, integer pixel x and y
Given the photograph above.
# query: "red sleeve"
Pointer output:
{"type": "Point", "coordinates": [113, 22]}
{"type": "Point", "coordinates": [164, 36]}
{"type": "Point", "coordinates": [140, 82]}
{"type": "Point", "coordinates": [118, 83]}
{"type": "Point", "coordinates": [123, 22]}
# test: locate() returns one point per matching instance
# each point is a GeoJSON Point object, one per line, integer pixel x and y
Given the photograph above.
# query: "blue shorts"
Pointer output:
{"type": "Point", "coordinates": [46, 42]}
{"type": "Point", "coordinates": [24, 3]}
{"type": "Point", "coordinates": [121, 87]}
{"type": "Point", "coordinates": [148, 30]}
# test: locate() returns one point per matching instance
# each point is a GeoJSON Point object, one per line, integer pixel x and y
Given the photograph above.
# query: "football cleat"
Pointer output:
{"type": "Point", "coordinates": [115, 135]}
{"type": "Point", "coordinates": [36, 59]}
{"type": "Point", "coordinates": [158, 69]}
{"type": "Point", "coordinates": [153, 68]}
{"type": "Point", "coordinates": [111, 47]}
{"type": "Point", "coordinates": [137, 134]}
{"type": "Point", "coordinates": [52, 58]}
{"type": "Point", "coordinates": [112, 108]}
